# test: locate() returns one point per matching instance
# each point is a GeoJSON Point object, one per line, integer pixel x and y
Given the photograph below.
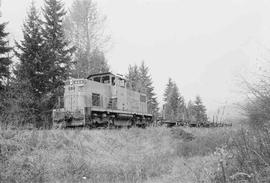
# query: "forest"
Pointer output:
{"type": "Point", "coordinates": [59, 44]}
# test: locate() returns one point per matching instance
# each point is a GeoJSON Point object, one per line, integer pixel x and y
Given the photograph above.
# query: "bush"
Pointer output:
{"type": "Point", "coordinates": [258, 112]}
{"type": "Point", "coordinates": [205, 141]}
{"type": "Point", "coordinates": [250, 160]}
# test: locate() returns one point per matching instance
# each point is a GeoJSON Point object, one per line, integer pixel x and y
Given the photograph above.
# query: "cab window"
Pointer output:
{"type": "Point", "coordinates": [122, 83]}
{"type": "Point", "coordinates": [113, 81]}
{"type": "Point", "coordinates": [106, 79]}
{"type": "Point", "coordinates": [97, 79]}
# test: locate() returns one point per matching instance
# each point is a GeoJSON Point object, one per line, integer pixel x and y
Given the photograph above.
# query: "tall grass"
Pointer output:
{"type": "Point", "coordinates": [205, 142]}
{"type": "Point", "coordinates": [134, 155]}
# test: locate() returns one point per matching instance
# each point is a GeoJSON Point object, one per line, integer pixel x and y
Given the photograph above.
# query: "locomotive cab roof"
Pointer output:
{"type": "Point", "coordinates": [109, 78]}
{"type": "Point", "coordinates": [106, 74]}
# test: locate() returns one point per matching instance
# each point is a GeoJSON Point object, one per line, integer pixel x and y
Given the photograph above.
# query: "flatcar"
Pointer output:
{"type": "Point", "coordinates": [101, 100]}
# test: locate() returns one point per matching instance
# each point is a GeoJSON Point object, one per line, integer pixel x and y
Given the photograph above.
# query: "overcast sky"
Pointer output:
{"type": "Point", "coordinates": [202, 45]}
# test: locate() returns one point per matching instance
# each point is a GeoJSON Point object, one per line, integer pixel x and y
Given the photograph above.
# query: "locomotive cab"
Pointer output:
{"type": "Point", "coordinates": [115, 83]}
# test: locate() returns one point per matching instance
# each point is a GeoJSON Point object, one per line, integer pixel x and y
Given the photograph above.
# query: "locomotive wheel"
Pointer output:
{"type": "Point", "coordinates": [110, 124]}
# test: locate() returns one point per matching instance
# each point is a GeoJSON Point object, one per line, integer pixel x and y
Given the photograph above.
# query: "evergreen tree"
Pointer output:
{"type": "Point", "coordinates": [30, 71]}
{"type": "Point", "coordinates": [29, 52]}
{"type": "Point", "coordinates": [5, 60]}
{"type": "Point", "coordinates": [58, 52]}
{"type": "Point", "coordinates": [174, 103]}
{"type": "Point", "coordinates": [140, 80]}
{"type": "Point", "coordinates": [147, 85]}
{"type": "Point", "coordinates": [199, 110]}
{"type": "Point", "coordinates": [168, 89]}
{"type": "Point", "coordinates": [190, 111]}
{"type": "Point", "coordinates": [182, 109]}
{"type": "Point", "coordinates": [134, 78]}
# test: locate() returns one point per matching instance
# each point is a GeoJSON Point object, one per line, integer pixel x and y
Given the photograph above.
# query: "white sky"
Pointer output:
{"type": "Point", "coordinates": [202, 45]}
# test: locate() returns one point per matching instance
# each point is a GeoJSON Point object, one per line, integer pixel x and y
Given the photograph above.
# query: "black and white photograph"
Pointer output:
{"type": "Point", "coordinates": [134, 91]}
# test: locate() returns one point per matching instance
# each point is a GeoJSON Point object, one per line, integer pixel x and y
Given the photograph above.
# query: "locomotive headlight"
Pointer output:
{"type": "Point", "coordinates": [80, 83]}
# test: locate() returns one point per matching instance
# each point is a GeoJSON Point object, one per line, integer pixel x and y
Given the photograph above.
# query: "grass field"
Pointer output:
{"type": "Point", "coordinates": [134, 155]}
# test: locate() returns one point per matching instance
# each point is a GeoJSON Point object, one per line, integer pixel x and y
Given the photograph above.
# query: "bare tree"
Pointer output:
{"type": "Point", "coordinates": [84, 27]}
{"type": "Point", "coordinates": [257, 106]}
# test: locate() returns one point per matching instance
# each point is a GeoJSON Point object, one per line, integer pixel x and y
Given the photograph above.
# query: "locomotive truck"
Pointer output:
{"type": "Point", "coordinates": [101, 100]}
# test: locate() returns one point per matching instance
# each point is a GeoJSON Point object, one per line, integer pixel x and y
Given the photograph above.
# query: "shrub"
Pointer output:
{"type": "Point", "coordinates": [250, 160]}
{"type": "Point", "coordinates": [205, 141]}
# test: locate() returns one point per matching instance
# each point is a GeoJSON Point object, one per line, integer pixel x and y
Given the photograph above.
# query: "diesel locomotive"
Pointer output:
{"type": "Point", "coordinates": [101, 100]}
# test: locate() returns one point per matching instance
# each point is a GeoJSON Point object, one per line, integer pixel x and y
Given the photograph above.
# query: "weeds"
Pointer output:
{"type": "Point", "coordinates": [134, 155]}
{"type": "Point", "coordinates": [204, 142]}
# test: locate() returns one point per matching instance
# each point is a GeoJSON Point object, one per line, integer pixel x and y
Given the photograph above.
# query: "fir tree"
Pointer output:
{"type": "Point", "coordinates": [5, 60]}
{"type": "Point", "coordinates": [174, 102]}
{"type": "Point", "coordinates": [147, 85]}
{"type": "Point", "coordinates": [182, 109]}
{"type": "Point", "coordinates": [58, 52]}
{"type": "Point", "coordinates": [134, 78]}
{"type": "Point", "coordinates": [168, 89]}
{"type": "Point", "coordinates": [190, 111]}
{"type": "Point", "coordinates": [30, 71]}
{"type": "Point", "coordinates": [199, 110]}
{"type": "Point", "coordinates": [140, 80]}
{"type": "Point", "coordinates": [29, 51]}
